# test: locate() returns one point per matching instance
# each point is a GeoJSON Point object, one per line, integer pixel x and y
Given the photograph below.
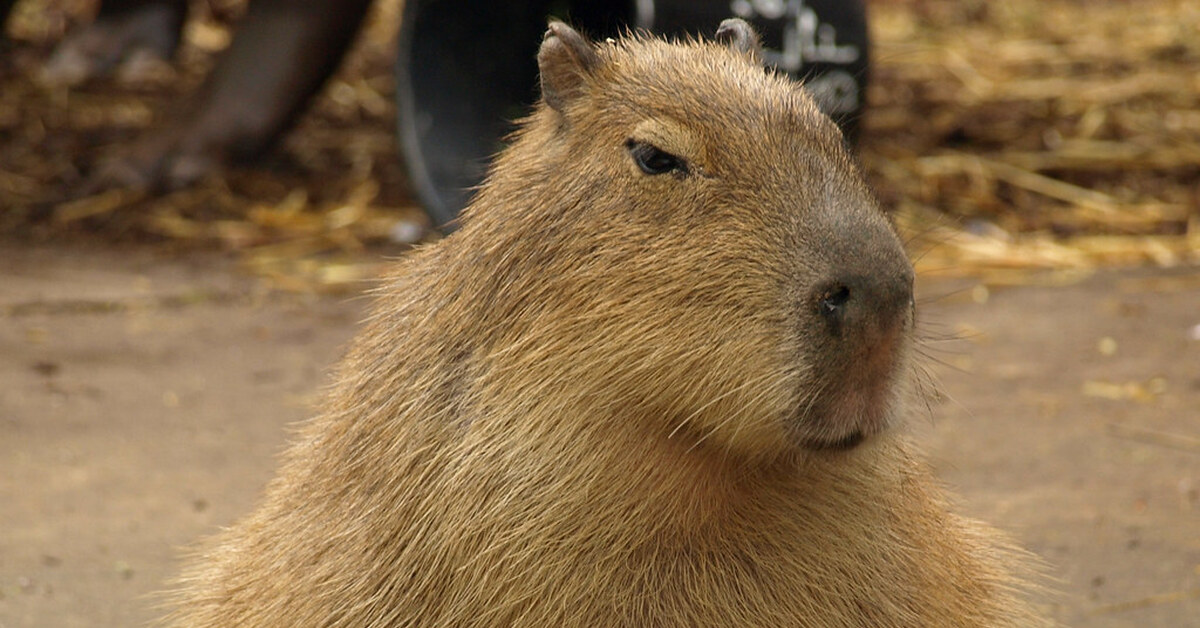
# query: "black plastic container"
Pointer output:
{"type": "Point", "coordinates": [466, 69]}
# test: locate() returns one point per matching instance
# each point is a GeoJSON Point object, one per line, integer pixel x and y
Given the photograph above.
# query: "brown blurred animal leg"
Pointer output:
{"type": "Point", "coordinates": [281, 55]}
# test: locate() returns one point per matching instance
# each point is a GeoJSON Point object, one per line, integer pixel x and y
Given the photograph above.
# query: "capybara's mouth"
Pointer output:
{"type": "Point", "coordinates": [844, 420]}
{"type": "Point", "coordinates": [845, 443]}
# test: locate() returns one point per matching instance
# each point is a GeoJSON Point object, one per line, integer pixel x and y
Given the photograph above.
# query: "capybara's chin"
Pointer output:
{"type": "Point", "coordinates": [839, 425]}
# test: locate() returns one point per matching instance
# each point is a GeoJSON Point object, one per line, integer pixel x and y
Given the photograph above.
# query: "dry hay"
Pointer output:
{"type": "Point", "coordinates": [1033, 134]}
{"type": "Point", "coordinates": [1007, 137]}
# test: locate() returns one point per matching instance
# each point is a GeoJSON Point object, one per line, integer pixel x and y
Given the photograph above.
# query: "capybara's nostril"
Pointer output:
{"type": "Point", "coordinates": [832, 300]}
{"type": "Point", "coordinates": [862, 304]}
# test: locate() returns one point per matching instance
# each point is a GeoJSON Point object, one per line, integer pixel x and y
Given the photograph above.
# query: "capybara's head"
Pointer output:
{"type": "Point", "coordinates": [679, 237]}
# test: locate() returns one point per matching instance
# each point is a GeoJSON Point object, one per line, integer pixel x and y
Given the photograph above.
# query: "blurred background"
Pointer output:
{"type": "Point", "coordinates": [1040, 157]}
{"type": "Point", "coordinates": [1058, 135]}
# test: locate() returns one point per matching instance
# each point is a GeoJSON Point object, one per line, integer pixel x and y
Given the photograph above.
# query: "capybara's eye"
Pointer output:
{"type": "Point", "coordinates": [652, 160]}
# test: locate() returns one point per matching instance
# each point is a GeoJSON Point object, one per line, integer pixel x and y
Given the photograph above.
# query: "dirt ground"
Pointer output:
{"type": "Point", "coordinates": [144, 395]}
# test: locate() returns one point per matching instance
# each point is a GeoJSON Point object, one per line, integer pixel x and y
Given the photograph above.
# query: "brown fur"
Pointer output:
{"type": "Point", "coordinates": [589, 406]}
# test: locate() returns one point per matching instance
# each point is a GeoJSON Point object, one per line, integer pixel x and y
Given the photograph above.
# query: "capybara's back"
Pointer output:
{"type": "Point", "coordinates": [651, 381]}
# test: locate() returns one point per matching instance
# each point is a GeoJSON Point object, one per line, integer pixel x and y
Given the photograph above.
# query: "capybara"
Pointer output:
{"type": "Point", "coordinates": [652, 381]}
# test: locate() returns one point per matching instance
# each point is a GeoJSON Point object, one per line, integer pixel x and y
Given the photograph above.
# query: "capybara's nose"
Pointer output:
{"type": "Point", "coordinates": [865, 306]}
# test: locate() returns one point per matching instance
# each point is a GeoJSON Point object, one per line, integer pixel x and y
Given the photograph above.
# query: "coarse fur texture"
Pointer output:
{"type": "Point", "coordinates": [627, 392]}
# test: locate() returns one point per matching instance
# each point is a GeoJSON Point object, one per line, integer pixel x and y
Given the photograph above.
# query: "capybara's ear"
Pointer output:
{"type": "Point", "coordinates": [741, 37]}
{"type": "Point", "coordinates": [564, 61]}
